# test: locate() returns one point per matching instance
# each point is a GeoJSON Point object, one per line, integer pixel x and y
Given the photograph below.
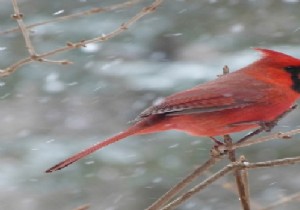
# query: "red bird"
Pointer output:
{"type": "Point", "coordinates": [235, 102]}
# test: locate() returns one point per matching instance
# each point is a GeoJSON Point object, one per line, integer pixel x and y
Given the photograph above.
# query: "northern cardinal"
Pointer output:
{"type": "Point", "coordinates": [234, 102]}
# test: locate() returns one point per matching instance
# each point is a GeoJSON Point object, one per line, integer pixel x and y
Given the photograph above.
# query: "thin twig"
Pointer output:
{"type": "Point", "coordinates": [226, 170]}
{"type": "Point", "coordinates": [182, 184]}
{"type": "Point", "coordinates": [280, 135]}
{"type": "Point", "coordinates": [245, 180]}
{"type": "Point", "coordinates": [146, 10]}
{"type": "Point", "coordinates": [94, 10]}
{"type": "Point", "coordinates": [231, 187]}
{"type": "Point", "coordinates": [282, 201]}
{"type": "Point", "coordinates": [271, 163]}
{"type": "Point", "coordinates": [126, 25]}
{"type": "Point", "coordinates": [19, 18]}
{"type": "Point", "coordinates": [250, 135]}
{"type": "Point", "coordinates": [33, 55]}
{"type": "Point", "coordinates": [83, 207]}
{"type": "Point", "coordinates": [199, 187]}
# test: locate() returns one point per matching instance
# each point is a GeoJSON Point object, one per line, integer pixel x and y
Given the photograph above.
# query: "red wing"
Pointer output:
{"type": "Point", "coordinates": [191, 105]}
{"type": "Point", "coordinates": [227, 92]}
{"type": "Point", "coordinates": [195, 101]}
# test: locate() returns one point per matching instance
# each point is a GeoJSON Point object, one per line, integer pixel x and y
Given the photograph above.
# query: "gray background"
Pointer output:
{"type": "Point", "coordinates": [49, 111]}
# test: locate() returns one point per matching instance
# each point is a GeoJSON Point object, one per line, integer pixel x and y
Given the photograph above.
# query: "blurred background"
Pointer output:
{"type": "Point", "coordinates": [49, 112]}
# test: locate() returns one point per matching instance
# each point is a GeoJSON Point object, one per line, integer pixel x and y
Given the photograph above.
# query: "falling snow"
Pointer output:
{"type": "Point", "coordinates": [53, 84]}
{"type": "Point", "coordinates": [58, 12]}
{"type": "Point", "coordinates": [237, 28]}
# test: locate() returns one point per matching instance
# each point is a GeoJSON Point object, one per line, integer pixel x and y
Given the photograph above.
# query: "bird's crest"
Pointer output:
{"type": "Point", "coordinates": [278, 57]}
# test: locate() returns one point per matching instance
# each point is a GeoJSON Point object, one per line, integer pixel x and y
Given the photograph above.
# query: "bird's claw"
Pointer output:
{"type": "Point", "coordinates": [218, 149]}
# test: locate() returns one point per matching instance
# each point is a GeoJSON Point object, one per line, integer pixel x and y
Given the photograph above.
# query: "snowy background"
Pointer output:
{"type": "Point", "coordinates": [49, 111]}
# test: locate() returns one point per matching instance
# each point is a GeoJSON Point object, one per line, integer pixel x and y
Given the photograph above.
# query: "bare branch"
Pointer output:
{"type": "Point", "coordinates": [280, 135]}
{"type": "Point", "coordinates": [146, 10]}
{"type": "Point", "coordinates": [19, 18]}
{"type": "Point", "coordinates": [282, 201]}
{"type": "Point", "coordinates": [243, 188]}
{"type": "Point", "coordinates": [182, 184]}
{"type": "Point", "coordinates": [92, 11]}
{"type": "Point", "coordinates": [199, 187]}
{"type": "Point", "coordinates": [244, 176]}
{"type": "Point", "coordinates": [235, 165]}
{"type": "Point", "coordinates": [83, 207]}
{"type": "Point", "coordinates": [271, 163]}
{"type": "Point", "coordinates": [126, 25]}
{"type": "Point", "coordinates": [231, 187]}
{"type": "Point", "coordinates": [33, 55]}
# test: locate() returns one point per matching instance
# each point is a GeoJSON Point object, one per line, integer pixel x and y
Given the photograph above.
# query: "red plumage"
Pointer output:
{"type": "Point", "coordinates": [231, 103]}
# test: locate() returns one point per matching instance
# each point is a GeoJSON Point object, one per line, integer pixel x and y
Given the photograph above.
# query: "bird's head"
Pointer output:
{"type": "Point", "coordinates": [279, 67]}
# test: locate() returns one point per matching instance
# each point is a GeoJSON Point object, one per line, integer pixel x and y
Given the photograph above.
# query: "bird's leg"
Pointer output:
{"type": "Point", "coordinates": [248, 136]}
{"type": "Point", "coordinates": [227, 139]}
{"type": "Point", "coordinates": [216, 141]}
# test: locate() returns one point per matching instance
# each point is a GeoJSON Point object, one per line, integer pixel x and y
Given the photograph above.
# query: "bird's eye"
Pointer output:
{"type": "Point", "coordinates": [289, 68]}
{"type": "Point", "coordinates": [292, 69]}
{"type": "Point", "coordinates": [294, 72]}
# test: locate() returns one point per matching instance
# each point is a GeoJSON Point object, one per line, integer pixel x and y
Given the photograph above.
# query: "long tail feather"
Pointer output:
{"type": "Point", "coordinates": [131, 131]}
